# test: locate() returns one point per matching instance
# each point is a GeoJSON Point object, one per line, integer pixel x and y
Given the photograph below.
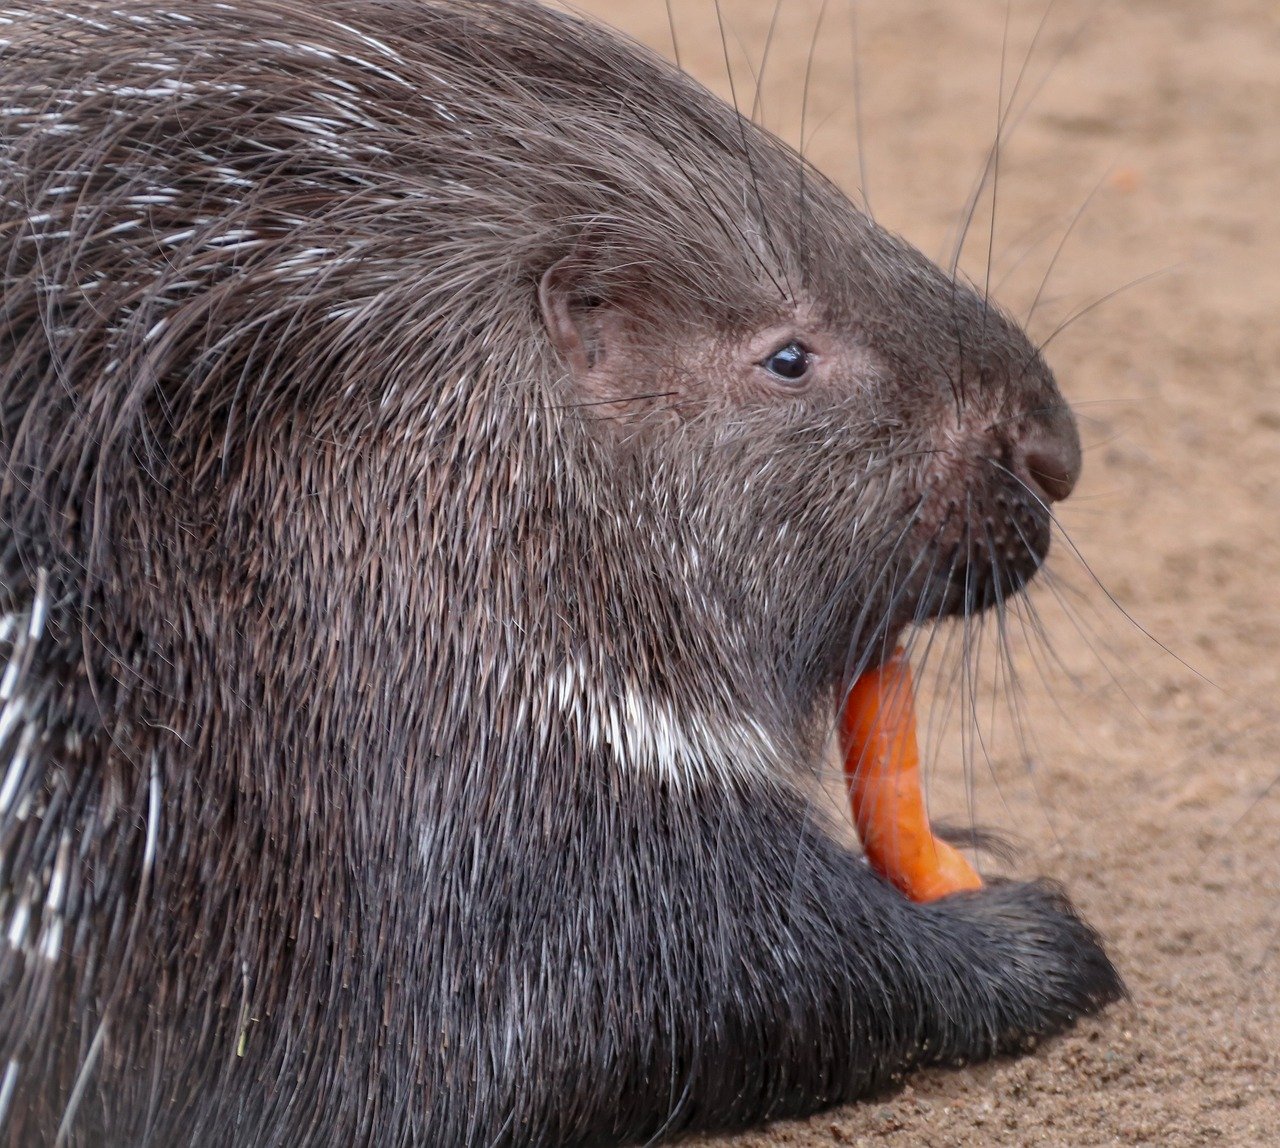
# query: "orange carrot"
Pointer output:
{"type": "Point", "coordinates": [882, 769]}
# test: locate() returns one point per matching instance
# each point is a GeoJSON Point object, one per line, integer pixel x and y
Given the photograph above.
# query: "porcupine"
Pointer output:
{"type": "Point", "coordinates": [452, 467]}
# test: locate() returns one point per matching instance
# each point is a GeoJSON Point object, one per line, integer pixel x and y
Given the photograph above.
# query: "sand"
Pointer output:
{"type": "Point", "coordinates": [1140, 770]}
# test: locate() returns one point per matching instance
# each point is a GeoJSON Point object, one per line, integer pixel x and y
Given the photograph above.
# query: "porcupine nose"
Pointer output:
{"type": "Point", "coordinates": [1050, 459]}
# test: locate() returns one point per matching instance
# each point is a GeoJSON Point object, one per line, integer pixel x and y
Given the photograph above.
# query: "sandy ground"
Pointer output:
{"type": "Point", "coordinates": [1142, 771]}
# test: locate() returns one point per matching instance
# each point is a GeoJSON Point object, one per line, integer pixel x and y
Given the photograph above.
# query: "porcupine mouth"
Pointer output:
{"type": "Point", "coordinates": [973, 587]}
{"type": "Point", "coordinates": [991, 563]}
{"type": "Point", "coordinates": [975, 548]}
{"type": "Point", "coordinates": [963, 582]}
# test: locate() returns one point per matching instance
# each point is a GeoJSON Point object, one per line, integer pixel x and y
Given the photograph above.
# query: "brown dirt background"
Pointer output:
{"type": "Point", "coordinates": [1139, 781]}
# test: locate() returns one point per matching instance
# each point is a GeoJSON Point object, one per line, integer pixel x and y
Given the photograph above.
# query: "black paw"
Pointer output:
{"type": "Point", "coordinates": [1026, 966]}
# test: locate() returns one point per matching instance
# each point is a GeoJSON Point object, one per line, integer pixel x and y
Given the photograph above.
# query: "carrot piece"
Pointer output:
{"type": "Point", "coordinates": [882, 770]}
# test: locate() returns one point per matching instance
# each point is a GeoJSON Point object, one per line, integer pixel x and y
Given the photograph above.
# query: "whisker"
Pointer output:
{"type": "Point", "coordinates": [1122, 289]}
{"type": "Point", "coordinates": [764, 60]}
{"type": "Point", "coordinates": [804, 114]}
{"type": "Point", "coordinates": [1062, 243]}
{"type": "Point", "coordinates": [1029, 240]}
{"type": "Point", "coordinates": [621, 400]}
{"type": "Point", "coordinates": [1003, 129]}
{"type": "Point", "coordinates": [995, 166]}
{"type": "Point", "coordinates": [749, 159]}
{"type": "Point", "coordinates": [1015, 695]}
{"type": "Point", "coordinates": [1097, 581]}
{"type": "Point", "coordinates": [675, 40]}
{"type": "Point", "coordinates": [863, 183]}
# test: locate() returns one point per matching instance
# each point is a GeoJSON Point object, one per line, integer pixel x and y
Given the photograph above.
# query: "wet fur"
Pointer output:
{"type": "Point", "coordinates": [408, 726]}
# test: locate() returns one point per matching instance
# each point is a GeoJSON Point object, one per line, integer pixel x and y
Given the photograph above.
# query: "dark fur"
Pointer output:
{"type": "Point", "coordinates": [348, 552]}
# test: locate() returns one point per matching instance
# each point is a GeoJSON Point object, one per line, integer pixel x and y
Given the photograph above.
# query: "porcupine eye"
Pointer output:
{"type": "Point", "coordinates": [790, 363]}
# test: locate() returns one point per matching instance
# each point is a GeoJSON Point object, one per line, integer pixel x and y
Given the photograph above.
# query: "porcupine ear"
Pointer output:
{"type": "Point", "coordinates": [582, 325]}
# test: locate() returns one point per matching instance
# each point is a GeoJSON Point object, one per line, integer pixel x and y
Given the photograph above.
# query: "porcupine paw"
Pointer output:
{"type": "Point", "coordinates": [1031, 968]}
